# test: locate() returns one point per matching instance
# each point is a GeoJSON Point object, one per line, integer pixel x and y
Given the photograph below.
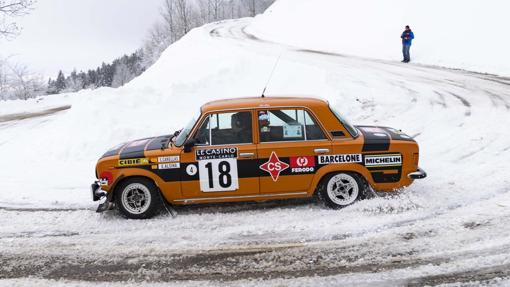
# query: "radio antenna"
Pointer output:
{"type": "Point", "coordinates": [272, 72]}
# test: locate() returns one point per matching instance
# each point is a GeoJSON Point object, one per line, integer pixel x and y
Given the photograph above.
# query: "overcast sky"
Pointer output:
{"type": "Point", "coordinates": [81, 34]}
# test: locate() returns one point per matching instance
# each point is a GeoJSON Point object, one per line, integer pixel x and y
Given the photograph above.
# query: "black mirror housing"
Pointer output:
{"type": "Point", "coordinates": [189, 144]}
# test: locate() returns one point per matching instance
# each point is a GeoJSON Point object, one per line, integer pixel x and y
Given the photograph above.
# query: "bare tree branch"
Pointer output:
{"type": "Point", "coordinates": [9, 10]}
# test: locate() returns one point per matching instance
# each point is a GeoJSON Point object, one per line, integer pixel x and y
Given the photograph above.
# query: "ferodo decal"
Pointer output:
{"type": "Point", "coordinates": [134, 162]}
{"type": "Point", "coordinates": [274, 166]}
{"type": "Point", "coordinates": [340, 158]}
{"type": "Point", "coordinates": [383, 160]}
{"type": "Point", "coordinates": [168, 158]}
{"type": "Point", "coordinates": [302, 164]}
{"type": "Point", "coordinates": [217, 169]}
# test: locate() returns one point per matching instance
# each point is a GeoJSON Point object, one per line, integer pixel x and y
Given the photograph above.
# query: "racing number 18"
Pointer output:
{"type": "Point", "coordinates": [225, 179]}
{"type": "Point", "coordinates": [218, 175]}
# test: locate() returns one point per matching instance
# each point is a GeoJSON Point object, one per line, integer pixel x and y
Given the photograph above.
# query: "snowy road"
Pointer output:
{"type": "Point", "coordinates": [452, 227]}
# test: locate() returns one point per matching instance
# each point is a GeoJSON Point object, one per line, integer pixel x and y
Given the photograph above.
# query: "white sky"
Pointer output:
{"type": "Point", "coordinates": [81, 34]}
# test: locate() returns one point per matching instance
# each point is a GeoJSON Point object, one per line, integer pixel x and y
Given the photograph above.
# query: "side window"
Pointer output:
{"type": "Point", "coordinates": [313, 130]}
{"type": "Point", "coordinates": [225, 128]}
{"type": "Point", "coordinates": [288, 125]}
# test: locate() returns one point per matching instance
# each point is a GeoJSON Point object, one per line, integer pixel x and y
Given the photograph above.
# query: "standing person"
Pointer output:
{"type": "Point", "coordinates": [407, 38]}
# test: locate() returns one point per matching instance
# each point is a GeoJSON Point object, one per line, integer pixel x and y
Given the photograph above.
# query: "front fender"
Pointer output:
{"type": "Point", "coordinates": [135, 172]}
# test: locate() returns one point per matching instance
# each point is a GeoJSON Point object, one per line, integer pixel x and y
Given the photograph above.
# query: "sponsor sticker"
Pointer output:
{"type": "Point", "coordinates": [292, 131]}
{"type": "Point", "coordinates": [216, 153]}
{"type": "Point", "coordinates": [168, 158]}
{"type": "Point", "coordinates": [172, 165]}
{"type": "Point", "coordinates": [302, 164]}
{"type": "Point", "coordinates": [274, 166]}
{"type": "Point", "coordinates": [383, 160]}
{"type": "Point", "coordinates": [134, 161]}
{"type": "Point", "coordinates": [340, 158]}
{"type": "Point", "coordinates": [217, 169]}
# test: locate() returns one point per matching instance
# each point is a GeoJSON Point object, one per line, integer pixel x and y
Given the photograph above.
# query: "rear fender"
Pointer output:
{"type": "Point", "coordinates": [335, 168]}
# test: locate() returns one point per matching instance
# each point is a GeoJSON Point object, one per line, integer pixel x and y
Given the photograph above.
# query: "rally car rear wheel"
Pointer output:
{"type": "Point", "coordinates": [138, 198]}
{"type": "Point", "coordinates": [341, 189]}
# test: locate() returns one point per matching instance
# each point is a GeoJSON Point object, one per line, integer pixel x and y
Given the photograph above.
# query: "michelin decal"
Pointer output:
{"type": "Point", "coordinates": [383, 160]}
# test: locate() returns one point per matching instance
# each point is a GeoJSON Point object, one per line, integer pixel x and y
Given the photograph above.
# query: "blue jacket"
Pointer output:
{"type": "Point", "coordinates": [407, 37]}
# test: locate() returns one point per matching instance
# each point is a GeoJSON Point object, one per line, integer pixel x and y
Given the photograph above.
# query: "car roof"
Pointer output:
{"type": "Point", "coordinates": [258, 102]}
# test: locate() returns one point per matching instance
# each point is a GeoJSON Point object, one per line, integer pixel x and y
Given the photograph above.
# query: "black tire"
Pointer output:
{"type": "Point", "coordinates": [138, 198]}
{"type": "Point", "coordinates": [347, 195]}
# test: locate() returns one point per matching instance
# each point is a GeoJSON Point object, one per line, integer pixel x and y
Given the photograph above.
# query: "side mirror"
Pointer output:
{"type": "Point", "coordinates": [189, 144]}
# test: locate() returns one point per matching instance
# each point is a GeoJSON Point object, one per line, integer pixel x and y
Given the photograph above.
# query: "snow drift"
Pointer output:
{"type": "Point", "coordinates": [457, 33]}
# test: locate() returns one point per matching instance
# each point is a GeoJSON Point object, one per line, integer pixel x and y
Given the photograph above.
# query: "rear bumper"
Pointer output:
{"type": "Point", "coordinates": [419, 174]}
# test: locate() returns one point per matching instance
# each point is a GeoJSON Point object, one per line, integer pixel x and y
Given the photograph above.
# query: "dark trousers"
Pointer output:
{"type": "Point", "coordinates": [405, 51]}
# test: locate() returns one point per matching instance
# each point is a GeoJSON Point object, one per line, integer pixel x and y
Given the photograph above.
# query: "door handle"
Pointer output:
{"type": "Point", "coordinates": [321, 150]}
{"type": "Point", "coordinates": [246, 154]}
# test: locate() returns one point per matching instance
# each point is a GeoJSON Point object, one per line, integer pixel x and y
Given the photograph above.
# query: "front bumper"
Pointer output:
{"type": "Point", "coordinates": [98, 194]}
{"type": "Point", "coordinates": [419, 174]}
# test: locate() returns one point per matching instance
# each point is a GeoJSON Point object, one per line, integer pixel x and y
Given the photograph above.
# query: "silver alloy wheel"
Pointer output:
{"type": "Point", "coordinates": [136, 198]}
{"type": "Point", "coordinates": [342, 189]}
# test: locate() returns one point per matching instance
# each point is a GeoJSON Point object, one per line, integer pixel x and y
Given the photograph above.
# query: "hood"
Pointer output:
{"type": "Point", "coordinates": [379, 138]}
{"type": "Point", "coordinates": [136, 148]}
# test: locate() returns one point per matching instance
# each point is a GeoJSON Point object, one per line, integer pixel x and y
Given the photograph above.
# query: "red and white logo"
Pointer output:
{"type": "Point", "coordinates": [302, 164]}
{"type": "Point", "coordinates": [302, 161]}
{"type": "Point", "coordinates": [274, 166]}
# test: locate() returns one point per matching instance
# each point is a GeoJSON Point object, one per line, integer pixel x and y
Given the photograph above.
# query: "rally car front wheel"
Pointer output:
{"type": "Point", "coordinates": [138, 198]}
{"type": "Point", "coordinates": [341, 189]}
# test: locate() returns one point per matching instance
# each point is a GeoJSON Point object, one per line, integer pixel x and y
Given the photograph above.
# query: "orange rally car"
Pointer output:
{"type": "Point", "coordinates": [256, 149]}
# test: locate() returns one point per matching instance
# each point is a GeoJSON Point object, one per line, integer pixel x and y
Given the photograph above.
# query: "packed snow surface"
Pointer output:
{"type": "Point", "coordinates": [465, 34]}
{"type": "Point", "coordinates": [451, 227]}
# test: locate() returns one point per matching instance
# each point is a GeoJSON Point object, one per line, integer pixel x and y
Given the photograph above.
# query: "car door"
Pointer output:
{"type": "Point", "coordinates": [224, 159]}
{"type": "Point", "coordinates": [289, 141]}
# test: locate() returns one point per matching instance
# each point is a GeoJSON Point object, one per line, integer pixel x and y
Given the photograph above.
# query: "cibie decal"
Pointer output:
{"type": "Point", "coordinates": [302, 164]}
{"type": "Point", "coordinates": [383, 160]}
{"type": "Point", "coordinates": [274, 166]}
{"type": "Point", "coordinates": [216, 153]}
{"type": "Point", "coordinates": [340, 158]}
{"type": "Point", "coordinates": [133, 161]}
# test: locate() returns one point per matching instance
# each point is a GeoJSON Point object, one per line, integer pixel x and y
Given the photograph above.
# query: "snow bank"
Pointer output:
{"type": "Point", "coordinates": [462, 34]}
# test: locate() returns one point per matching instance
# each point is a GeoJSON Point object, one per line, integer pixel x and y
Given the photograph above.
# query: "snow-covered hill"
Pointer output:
{"type": "Point", "coordinates": [455, 33]}
{"type": "Point", "coordinates": [451, 227]}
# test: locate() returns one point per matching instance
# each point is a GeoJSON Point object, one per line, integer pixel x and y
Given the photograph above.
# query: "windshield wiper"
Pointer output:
{"type": "Point", "coordinates": [165, 143]}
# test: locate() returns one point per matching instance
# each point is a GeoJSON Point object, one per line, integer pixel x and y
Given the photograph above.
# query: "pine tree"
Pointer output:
{"type": "Point", "coordinates": [60, 83]}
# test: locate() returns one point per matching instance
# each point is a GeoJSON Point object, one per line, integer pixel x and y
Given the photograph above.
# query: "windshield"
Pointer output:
{"type": "Point", "coordinates": [350, 128]}
{"type": "Point", "coordinates": [183, 135]}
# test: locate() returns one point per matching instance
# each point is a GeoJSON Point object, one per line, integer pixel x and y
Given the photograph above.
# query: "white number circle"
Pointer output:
{"type": "Point", "coordinates": [191, 170]}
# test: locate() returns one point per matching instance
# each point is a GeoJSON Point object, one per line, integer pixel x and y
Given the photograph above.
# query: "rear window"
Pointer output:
{"type": "Point", "coordinates": [350, 128]}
